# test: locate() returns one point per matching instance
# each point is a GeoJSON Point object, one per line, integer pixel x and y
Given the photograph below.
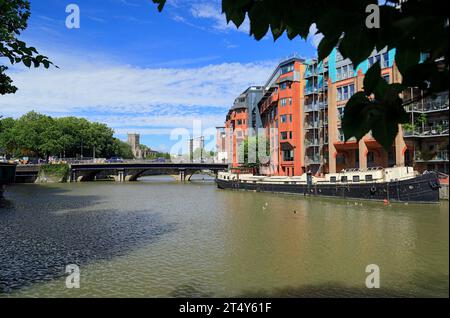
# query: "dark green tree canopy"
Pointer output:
{"type": "Point", "coordinates": [412, 27]}
{"type": "Point", "coordinates": [14, 15]}
{"type": "Point", "coordinates": [38, 135]}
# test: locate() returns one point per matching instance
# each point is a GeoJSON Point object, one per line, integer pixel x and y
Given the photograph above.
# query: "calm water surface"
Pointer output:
{"type": "Point", "coordinates": [157, 238]}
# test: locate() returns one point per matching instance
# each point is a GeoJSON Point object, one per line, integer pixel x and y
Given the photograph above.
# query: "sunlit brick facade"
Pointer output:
{"type": "Point", "coordinates": [300, 109]}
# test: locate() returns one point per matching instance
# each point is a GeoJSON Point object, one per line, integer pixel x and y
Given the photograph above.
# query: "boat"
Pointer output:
{"type": "Point", "coordinates": [397, 184]}
{"type": "Point", "coordinates": [7, 175]}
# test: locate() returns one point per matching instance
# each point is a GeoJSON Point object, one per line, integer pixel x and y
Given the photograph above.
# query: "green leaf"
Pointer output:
{"type": "Point", "coordinates": [259, 21]}
{"type": "Point", "coordinates": [160, 3]}
{"type": "Point", "coordinates": [26, 61]}
{"type": "Point", "coordinates": [358, 113]}
{"type": "Point", "coordinates": [405, 58]}
{"type": "Point", "coordinates": [326, 45]}
{"type": "Point", "coordinates": [357, 44]}
{"type": "Point", "coordinates": [372, 78]}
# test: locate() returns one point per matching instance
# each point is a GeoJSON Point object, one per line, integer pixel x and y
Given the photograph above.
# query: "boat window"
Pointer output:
{"type": "Point", "coordinates": [355, 178]}
{"type": "Point", "coordinates": [332, 179]}
{"type": "Point", "coordinates": [369, 177]}
{"type": "Point", "coordinates": [344, 179]}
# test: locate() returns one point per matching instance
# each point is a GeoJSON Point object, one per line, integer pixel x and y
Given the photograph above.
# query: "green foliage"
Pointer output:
{"type": "Point", "coordinates": [14, 15]}
{"type": "Point", "coordinates": [122, 149]}
{"type": "Point", "coordinates": [57, 170]}
{"type": "Point", "coordinates": [255, 150]}
{"type": "Point", "coordinates": [420, 26]}
{"type": "Point", "coordinates": [37, 135]}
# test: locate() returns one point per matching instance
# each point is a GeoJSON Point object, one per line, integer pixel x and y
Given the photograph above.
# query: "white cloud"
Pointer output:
{"type": "Point", "coordinates": [213, 12]}
{"type": "Point", "coordinates": [127, 97]}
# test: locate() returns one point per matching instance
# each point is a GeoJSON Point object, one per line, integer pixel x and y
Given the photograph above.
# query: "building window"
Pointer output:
{"type": "Point", "coordinates": [283, 86]}
{"type": "Point", "coordinates": [345, 92]}
{"type": "Point", "coordinates": [340, 159]}
{"type": "Point", "coordinates": [283, 118]}
{"type": "Point", "coordinates": [284, 135]}
{"type": "Point", "coordinates": [290, 135]}
{"type": "Point", "coordinates": [239, 122]}
{"type": "Point", "coordinates": [370, 157]}
{"type": "Point", "coordinates": [288, 155]}
{"type": "Point", "coordinates": [287, 68]}
{"type": "Point", "coordinates": [351, 88]}
{"type": "Point", "coordinates": [386, 61]}
{"type": "Point", "coordinates": [290, 118]}
{"type": "Point", "coordinates": [387, 78]}
{"type": "Point", "coordinates": [382, 58]}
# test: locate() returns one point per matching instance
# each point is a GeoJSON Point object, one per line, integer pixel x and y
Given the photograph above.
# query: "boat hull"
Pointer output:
{"type": "Point", "coordinates": [422, 189]}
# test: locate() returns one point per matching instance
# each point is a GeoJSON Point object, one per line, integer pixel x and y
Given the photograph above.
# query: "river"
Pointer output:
{"type": "Point", "coordinates": [158, 238]}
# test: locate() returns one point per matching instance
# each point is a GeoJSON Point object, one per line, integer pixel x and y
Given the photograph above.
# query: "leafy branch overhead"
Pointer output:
{"type": "Point", "coordinates": [14, 15]}
{"type": "Point", "coordinates": [414, 28]}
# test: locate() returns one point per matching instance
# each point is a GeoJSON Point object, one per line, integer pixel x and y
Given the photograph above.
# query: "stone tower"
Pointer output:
{"type": "Point", "coordinates": [134, 142]}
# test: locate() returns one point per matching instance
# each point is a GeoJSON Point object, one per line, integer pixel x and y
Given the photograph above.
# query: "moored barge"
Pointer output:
{"type": "Point", "coordinates": [400, 184]}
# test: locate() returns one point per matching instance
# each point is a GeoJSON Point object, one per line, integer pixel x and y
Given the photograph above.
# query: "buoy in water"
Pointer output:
{"type": "Point", "coordinates": [385, 201]}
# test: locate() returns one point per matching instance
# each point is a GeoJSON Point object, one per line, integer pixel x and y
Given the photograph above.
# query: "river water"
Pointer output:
{"type": "Point", "coordinates": [158, 238]}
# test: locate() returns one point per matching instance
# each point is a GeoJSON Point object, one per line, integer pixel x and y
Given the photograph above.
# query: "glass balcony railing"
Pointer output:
{"type": "Point", "coordinates": [426, 131]}
{"type": "Point", "coordinates": [441, 155]}
{"type": "Point", "coordinates": [312, 142]}
{"type": "Point", "coordinates": [429, 105]}
{"type": "Point", "coordinates": [313, 107]}
{"type": "Point", "coordinates": [312, 124]}
{"type": "Point", "coordinates": [313, 159]}
{"type": "Point", "coordinates": [315, 89]}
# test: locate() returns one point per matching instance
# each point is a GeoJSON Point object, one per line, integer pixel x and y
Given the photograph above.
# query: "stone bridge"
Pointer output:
{"type": "Point", "coordinates": [124, 172]}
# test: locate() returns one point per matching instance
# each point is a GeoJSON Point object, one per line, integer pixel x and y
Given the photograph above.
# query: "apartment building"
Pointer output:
{"type": "Point", "coordinates": [344, 81]}
{"type": "Point", "coordinates": [301, 108]}
{"type": "Point", "coordinates": [241, 118]}
{"type": "Point", "coordinates": [427, 133]}
{"type": "Point", "coordinates": [281, 111]}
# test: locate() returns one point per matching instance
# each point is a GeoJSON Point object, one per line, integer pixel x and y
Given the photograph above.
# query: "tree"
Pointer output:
{"type": "Point", "coordinates": [121, 149]}
{"type": "Point", "coordinates": [41, 136]}
{"type": "Point", "coordinates": [412, 27]}
{"type": "Point", "coordinates": [255, 151]}
{"type": "Point", "coordinates": [14, 15]}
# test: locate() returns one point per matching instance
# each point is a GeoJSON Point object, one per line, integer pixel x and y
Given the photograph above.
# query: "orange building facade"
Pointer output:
{"type": "Point", "coordinates": [300, 110]}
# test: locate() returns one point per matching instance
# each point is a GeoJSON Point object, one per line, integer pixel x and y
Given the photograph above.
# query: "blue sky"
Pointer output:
{"type": "Point", "coordinates": [139, 70]}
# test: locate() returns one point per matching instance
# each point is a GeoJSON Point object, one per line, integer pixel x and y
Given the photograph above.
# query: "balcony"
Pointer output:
{"type": "Point", "coordinates": [316, 89]}
{"type": "Point", "coordinates": [314, 107]}
{"type": "Point", "coordinates": [312, 142]}
{"type": "Point", "coordinates": [439, 156]}
{"type": "Point", "coordinates": [425, 132]}
{"type": "Point", "coordinates": [429, 105]}
{"type": "Point", "coordinates": [269, 102]}
{"type": "Point", "coordinates": [312, 124]}
{"type": "Point", "coordinates": [312, 159]}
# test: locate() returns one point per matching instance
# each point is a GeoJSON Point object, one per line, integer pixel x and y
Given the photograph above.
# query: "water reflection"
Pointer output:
{"type": "Point", "coordinates": [37, 241]}
{"type": "Point", "coordinates": [161, 238]}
